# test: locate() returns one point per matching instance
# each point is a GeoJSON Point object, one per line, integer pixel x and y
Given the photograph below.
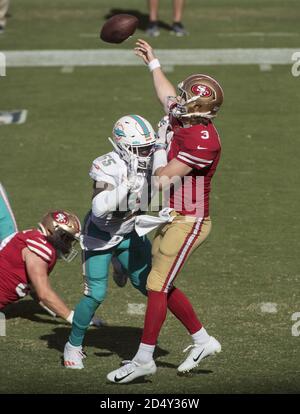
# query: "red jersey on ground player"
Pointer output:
{"type": "Point", "coordinates": [14, 281]}
{"type": "Point", "coordinates": [27, 258]}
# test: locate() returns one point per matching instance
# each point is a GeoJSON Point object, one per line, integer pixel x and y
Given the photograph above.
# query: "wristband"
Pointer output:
{"type": "Point", "coordinates": [70, 317]}
{"type": "Point", "coordinates": [154, 64]}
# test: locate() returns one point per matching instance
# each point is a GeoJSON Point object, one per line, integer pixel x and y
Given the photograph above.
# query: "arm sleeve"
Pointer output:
{"type": "Point", "coordinates": [40, 249]}
{"type": "Point", "coordinates": [109, 201]}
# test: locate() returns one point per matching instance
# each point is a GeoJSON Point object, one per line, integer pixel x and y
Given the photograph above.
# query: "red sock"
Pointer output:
{"type": "Point", "coordinates": [182, 308]}
{"type": "Point", "coordinates": [155, 316]}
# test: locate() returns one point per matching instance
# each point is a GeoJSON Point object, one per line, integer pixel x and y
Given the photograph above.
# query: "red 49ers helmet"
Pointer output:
{"type": "Point", "coordinates": [201, 96]}
{"type": "Point", "coordinates": [62, 229]}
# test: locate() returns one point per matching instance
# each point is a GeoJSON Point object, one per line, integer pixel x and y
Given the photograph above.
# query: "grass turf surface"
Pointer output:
{"type": "Point", "coordinates": [250, 257]}
{"type": "Point", "coordinates": [72, 24]}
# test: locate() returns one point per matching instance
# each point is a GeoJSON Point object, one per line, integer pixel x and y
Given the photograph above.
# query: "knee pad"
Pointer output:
{"type": "Point", "coordinates": [98, 295]}
{"type": "Point", "coordinates": [155, 281]}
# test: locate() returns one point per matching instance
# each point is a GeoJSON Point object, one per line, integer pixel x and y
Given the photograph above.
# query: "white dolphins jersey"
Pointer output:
{"type": "Point", "coordinates": [111, 169]}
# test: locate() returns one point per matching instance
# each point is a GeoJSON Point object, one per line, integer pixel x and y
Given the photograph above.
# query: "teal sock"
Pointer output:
{"type": "Point", "coordinates": [83, 315]}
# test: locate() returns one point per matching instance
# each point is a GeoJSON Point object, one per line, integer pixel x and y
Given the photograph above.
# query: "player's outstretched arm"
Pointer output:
{"type": "Point", "coordinates": [38, 275]}
{"type": "Point", "coordinates": [35, 297]}
{"type": "Point", "coordinates": [162, 85]}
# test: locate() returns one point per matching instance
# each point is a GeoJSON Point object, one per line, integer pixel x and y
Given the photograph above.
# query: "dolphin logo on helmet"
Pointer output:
{"type": "Point", "coordinates": [133, 136]}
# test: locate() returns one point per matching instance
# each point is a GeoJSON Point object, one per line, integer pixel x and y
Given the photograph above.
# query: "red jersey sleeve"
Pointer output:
{"type": "Point", "coordinates": [40, 247]}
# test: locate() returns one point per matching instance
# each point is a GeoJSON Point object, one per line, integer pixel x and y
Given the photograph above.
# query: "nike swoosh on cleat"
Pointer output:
{"type": "Point", "coordinates": [196, 359]}
{"type": "Point", "coordinates": [116, 379]}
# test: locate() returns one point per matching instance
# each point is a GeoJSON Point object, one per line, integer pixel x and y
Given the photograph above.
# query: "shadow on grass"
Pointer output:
{"type": "Point", "coordinates": [195, 372]}
{"type": "Point", "coordinates": [31, 310]}
{"type": "Point", "coordinates": [140, 380]}
{"type": "Point", "coordinates": [120, 340]}
{"type": "Point", "coordinates": [142, 17]}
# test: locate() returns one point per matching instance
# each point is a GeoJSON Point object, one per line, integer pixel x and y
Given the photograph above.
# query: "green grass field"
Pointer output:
{"type": "Point", "coordinates": [252, 254]}
{"type": "Point", "coordinates": [72, 24]}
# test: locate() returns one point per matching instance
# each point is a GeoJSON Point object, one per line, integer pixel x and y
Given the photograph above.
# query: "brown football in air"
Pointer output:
{"type": "Point", "coordinates": [118, 28]}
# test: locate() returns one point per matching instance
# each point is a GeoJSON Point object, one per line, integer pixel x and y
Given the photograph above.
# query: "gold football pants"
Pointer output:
{"type": "Point", "coordinates": [172, 245]}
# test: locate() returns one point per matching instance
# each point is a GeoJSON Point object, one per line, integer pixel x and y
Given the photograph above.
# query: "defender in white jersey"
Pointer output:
{"type": "Point", "coordinates": [120, 182]}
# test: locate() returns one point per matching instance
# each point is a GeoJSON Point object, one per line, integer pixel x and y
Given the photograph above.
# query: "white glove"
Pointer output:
{"type": "Point", "coordinates": [135, 181]}
{"type": "Point", "coordinates": [164, 133]}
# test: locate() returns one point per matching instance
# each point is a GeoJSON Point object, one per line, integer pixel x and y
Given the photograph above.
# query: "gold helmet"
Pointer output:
{"type": "Point", "coordinates": [200, 97]}
{"type": "Point", "coordinates": [62, 229]}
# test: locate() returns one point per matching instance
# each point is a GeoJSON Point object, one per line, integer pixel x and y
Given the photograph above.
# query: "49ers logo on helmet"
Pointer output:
{"type": "Point", "coordinates": [60, 217]}
{"type": "Point", "coordinates": [201, 90]}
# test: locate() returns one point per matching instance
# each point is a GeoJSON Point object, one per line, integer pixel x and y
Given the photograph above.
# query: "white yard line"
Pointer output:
{"type": "Point", "coordinates": [259, 34]}
{"type": "Point", "coordinates": [121, 57]}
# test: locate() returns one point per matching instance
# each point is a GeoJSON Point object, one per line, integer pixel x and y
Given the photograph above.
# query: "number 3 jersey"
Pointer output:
{"type": "Point", "coordinates": [14, 282]}
{"type": "Point", "coordinates": [198, 147]}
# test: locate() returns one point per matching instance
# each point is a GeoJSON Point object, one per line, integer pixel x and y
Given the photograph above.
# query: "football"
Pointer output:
{"type": "Point", "coordinates": [118, 28]}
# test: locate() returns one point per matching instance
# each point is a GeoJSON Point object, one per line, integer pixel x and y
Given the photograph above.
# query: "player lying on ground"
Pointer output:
{"type": "Point", "coordinates": [27, 257]}
{"type": "Point", "coordinates": [188, 148]}
{"type": "Point", "coordinates": [119, 179]}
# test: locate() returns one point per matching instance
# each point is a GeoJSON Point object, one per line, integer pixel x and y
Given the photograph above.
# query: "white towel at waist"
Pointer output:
{"type": "Point", "coordinates": [144, 223]}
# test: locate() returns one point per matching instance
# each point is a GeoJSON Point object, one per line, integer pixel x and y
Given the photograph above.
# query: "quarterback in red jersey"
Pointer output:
{"type": "Point", "coordinates": [198, 148]}
{"type": "Point", "coordinates": [27, 258]}
{"type": "Point", "coordinates": [186, 155]}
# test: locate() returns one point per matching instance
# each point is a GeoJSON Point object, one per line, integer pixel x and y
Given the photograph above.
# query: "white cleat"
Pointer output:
{"type": "Point", "coordinates": [130, 371]}
{"type": "Point", "coordinates": [120, 275]}
{"type": "Point", "coordinates": [73, 356]}
{"type": "Point", "coordinates": [199, 352]}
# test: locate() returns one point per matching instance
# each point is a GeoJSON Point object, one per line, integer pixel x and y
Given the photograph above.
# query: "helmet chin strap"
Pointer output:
{"type": "Point", "coordinates": [116, 148]}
